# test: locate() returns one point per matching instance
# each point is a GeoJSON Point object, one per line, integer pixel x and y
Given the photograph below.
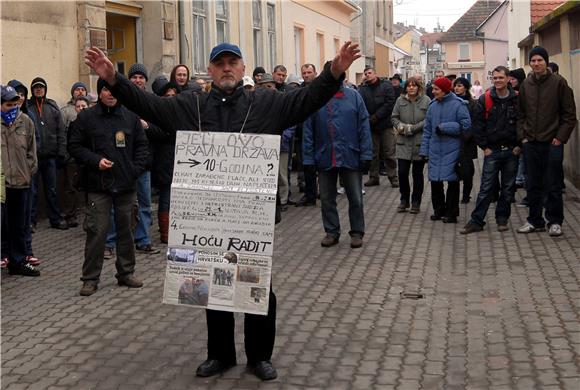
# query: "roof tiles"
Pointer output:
{"type": "Point", "coordinates": [464, 28]}
{"type": "Point", "coordinates": [541, 8]}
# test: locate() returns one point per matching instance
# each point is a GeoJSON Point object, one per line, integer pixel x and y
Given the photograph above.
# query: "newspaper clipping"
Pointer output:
{"type": "Point", "coordinates": [221, 236]}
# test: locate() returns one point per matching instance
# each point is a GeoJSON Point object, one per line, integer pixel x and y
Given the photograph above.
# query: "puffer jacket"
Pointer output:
{"type": "Point", "coordinates": [547, 109]}
{"type": "Point", "coordinates": [451, 116]}
{"type": "Point", "coordinates": [407, 112]}
{"type": "Point", "coordinates": [93, 136]}
{"type": "Point", "coordinates": [338, 135]}
{"type": "Point", "coordinates": [379, 100]}
{"type": "Point", "coordinates": [19, 160]}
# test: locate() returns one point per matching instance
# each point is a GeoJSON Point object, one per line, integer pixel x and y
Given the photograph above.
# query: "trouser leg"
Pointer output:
{"type": "Point", "coordinates": [96, 225]}
{"type": "Point", "coordinates": [260, 333]}
{"type": "Point", "coordinates": [123, 205]}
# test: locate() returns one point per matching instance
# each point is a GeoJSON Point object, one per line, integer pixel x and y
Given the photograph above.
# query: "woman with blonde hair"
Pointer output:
{"type": "Point", "coordinates": [408, 117]}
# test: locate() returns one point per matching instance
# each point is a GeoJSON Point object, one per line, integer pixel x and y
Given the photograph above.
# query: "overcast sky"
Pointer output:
{"type": "Point", "coordinates": [424, 13]}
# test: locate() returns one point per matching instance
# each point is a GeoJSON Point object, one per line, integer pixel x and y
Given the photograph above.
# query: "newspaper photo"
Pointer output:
{"type": "Point", "coordinates": [221, 233]}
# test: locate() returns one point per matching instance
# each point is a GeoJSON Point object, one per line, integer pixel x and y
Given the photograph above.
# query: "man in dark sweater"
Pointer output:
{"type": "Point", "coordinates": [494, 127]}
{"type": "Point", "coordinates": [228, 107]}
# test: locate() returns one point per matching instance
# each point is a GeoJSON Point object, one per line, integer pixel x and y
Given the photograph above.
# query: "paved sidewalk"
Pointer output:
{"type": "Point", "coordinates": [500, 311]}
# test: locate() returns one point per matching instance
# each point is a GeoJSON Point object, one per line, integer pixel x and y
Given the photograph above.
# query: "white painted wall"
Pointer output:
{"type": "Point", "coordinates": [518, 23]}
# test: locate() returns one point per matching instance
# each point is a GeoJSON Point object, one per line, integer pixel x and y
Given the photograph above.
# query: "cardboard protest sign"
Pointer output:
{"type": "Point", "coordinates": [221, 234]}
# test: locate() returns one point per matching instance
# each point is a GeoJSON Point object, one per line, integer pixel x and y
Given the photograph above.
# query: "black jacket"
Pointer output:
{"type": "Point", "coordinates": [469, 142]}
{"type": "Point", "coordinates": [162, 146]}
{"type": "Point", "coordinates": [50, 127]}
{"type": "Point", "coordinates": [94, 135]}
{"type": "Point", "coordinates": [379, 99]}
{"type": "Point", "coordinates": [267, 111]}
{"type": "Point", "coordinates": [500, 126]}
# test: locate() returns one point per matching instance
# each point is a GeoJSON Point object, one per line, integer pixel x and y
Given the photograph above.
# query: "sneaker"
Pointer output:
{"type": "Point", "coordinates": [4, 262]}
{"type": "Point", "coordinates": [109, 253]}
{"type": "Point", "coordinates": [529, 228]}
{"type": "Point", "coordinates": [147, 249]}
{"type": "Point", "coordinates": [471, 228]}
{"type": "Point", "coordinates": [555, 230]}
{"type": "Point", "coordinates": [329, 240]}
{"type": "Point", "coordinates": [88, 288]}
{"type": "Point", "coordinates": [130, 281]}
{"type": "Point", "coordinates": [435, 217]}
{"type": "Point", "coordinates": [415, 209]}
{"type": "Point", "coordinates": [32, 260]}
{"type": "Point", "coordinates": [356, 241]}
{"type": "Point", "coordinates": [24, 269]}
{"type": "Point", "coordinates": [394, 181]}
{"type": "Point", "coordinates": [340, 190]}
{"type": "Point", "coordinates": [449, 219]}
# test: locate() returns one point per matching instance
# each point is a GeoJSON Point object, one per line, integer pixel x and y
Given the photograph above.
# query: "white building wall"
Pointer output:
{"type": "Point", "coordinates": [518, 23]}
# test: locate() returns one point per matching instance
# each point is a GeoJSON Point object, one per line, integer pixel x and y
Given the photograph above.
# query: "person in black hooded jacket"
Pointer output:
{"type": "Point", "coordinates": [51, 150]}
{"type": "Point", "coordinates": [109, 143]}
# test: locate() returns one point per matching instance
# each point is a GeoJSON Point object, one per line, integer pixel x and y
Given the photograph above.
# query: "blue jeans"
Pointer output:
{"type": "Point", "coordinates": [47, 171]}
{"type": "Point", "coordinates": [145, 217]}
{"type": "Point", "coordinates": [521, 176]}
{"type": "Point", "coordinates": [502, 162]}
{"type": "Point", "coordinates": [544, 186]}
{"type": "Point", "coordinates": [352, 181]}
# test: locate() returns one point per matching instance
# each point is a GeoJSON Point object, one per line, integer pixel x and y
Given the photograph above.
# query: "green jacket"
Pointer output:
{"type": "Point", "coordinates": [407, 112]}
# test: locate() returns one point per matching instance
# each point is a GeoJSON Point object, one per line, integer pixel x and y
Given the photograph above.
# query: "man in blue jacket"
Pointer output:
{"type": "Point", "coordinates": [337, 142]}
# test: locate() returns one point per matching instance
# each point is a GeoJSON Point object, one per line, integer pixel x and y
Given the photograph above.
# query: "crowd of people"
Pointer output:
{"type": "Point", "coordinates": [113, 151]}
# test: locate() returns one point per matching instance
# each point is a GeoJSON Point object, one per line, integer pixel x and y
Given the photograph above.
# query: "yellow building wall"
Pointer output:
{"type": "Point", "coordinates": [330, 18]}
{"type": "Point", "coordinates": [41, 39]}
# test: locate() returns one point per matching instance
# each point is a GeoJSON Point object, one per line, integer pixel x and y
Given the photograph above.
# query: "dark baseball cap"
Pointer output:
{"type": "Point", "coordinates": [9, 94]}
{"type": "Point", "coordinates": [224, 48]}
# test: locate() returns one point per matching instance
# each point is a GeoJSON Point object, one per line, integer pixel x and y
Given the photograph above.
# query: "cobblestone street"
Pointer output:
{"type": "Point", "coordinates": [499, 310]}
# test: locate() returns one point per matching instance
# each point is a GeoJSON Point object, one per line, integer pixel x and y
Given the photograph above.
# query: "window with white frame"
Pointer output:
{"type": "Point", "coordinates": [463, 50]}
{"type": "Point", "coordinates": [200, 36]}
{"type": "Point", "coordinates": [221, 21]}
{"type": "Point", "coordinates": [257, 32]}
{"type": "Point", "coordinates": [319, 50]}
{"type": "Point", "coordinates": [298, 49]}
{"type": "Point", "coordinates": [466, 75]}
{"type": "Point", "coordinates": [271, 35]}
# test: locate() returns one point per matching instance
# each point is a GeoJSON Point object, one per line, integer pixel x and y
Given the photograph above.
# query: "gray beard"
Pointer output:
{"type": "Point", "coordinates": [228, 85]}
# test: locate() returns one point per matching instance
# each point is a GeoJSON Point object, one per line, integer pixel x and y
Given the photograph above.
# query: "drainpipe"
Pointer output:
{"type": "Point", "coordinates": [183, 42]}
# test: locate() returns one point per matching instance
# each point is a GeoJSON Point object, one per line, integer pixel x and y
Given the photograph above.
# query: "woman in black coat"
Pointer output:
{"type": "Point", "coordinates": [461, 87]}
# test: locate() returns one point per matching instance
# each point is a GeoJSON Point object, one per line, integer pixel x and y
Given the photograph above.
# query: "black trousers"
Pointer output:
{"type": "Point", "coordinates": [259, 334]}
{"type": "Point", "coordinates": [14, 213]}
{"type": "Point", "coordinates": [445, 205]}
{"type": "Point", "coordinates": [404, 167]}
{"type": "Point", "coordinates": [468, 179]}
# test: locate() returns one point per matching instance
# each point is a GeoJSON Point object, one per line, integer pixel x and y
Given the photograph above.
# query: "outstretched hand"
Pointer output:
{"type": "Point", "coordinates": [98, 61]}
{"type": "Point", "coordinates": [347, 54]}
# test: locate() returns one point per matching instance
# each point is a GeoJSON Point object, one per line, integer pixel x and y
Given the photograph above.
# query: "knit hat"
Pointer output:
{"type": "Point", "coordinates": [100, 85]}
{"type": "Point", "coordinates": [518, 73]}
{"type": "Point", "coordinates": [138, 69]}
{"type": "Point", "coordinates": [257, 71]}
{"type": "Point", "coordinates": [18, 86]}
{"type": "Point", "coordinates": [9, 94]}
{"type": "Point", "coordinates": [443, 83]}
{"type": "Point", "coordinates": [76, 85]}
{"type": "Point", "coordinates": [539, 51]}
{"type": "Point", "coordinates": [158, 84]}
{"type": "Point", "coordinates": [463, 81]}
{"type": "Point", "coordinates": [38, 81]}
